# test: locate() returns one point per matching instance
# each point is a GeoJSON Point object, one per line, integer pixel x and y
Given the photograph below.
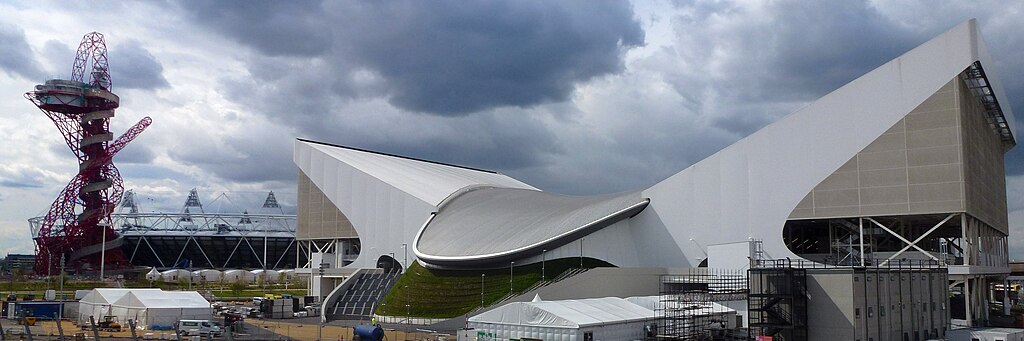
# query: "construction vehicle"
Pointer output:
{"type": "Point", "coordinates": [109, 324]}
{"type": "Point", "coordinates": [27, 317]}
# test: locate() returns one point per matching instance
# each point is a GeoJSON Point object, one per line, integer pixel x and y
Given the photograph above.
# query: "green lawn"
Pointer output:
{"type": "Point", "coordinates": [448, 293]}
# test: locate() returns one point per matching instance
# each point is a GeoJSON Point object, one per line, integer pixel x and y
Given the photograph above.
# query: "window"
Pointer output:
{"type": "Point", "coordinates": [856, 312]}
{"type": "Point", "coordinates": [588, 336]}
{"type": "Point", "coordinates": [881, 311]}
{"type": "Point", "coordinates": [871, 312]}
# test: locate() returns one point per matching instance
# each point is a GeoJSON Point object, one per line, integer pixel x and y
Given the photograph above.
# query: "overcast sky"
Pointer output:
{"type": "Point", "coordinates": [576, 97]}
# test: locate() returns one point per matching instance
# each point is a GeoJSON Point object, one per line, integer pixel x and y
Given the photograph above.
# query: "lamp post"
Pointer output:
{"type": "Point", "coordinates": [581, 252]}
{"type": "Point", "coordinates": [482, 290]}
{"type": "Point", "coordinates": [408, 317]}
{"type": "Point", "coordinates": [543, 259]}
{"type": "Point", "coordinates": [405, 259]}
{"type": "Point", "coordinates": [103, 252]}
{"type": "Point", "coordinates": [320, 325]}
{"type": "Point", "coordinates": [510, 282]}
{"type": "Point", "coordinates": [62, 279]}
{"type": "Point", "coordinates": [405, 265]}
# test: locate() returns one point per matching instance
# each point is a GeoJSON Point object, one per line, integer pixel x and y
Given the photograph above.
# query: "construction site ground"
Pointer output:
{"type": "Point", "coordinates": [255, 329]}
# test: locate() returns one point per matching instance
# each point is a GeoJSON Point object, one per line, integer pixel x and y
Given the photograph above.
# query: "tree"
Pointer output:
{"type": "Point", "coordinates": [237, 287]}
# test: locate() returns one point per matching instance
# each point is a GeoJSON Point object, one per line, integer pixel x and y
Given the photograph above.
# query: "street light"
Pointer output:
{"type": "Point", "coordinates": [510, 283]}
{"type": "Point", "coordinates": [405, 260]}
{"type": "Point", "coordinates": [581, 252]}
{"type": "Point", "coordinates": [482, 290]}
{"type": "Point", "coordinates": [405, 265]}
{"type": "Point", "coordinates": [543, 259]}
{"type": "Point", "coordinates": [320, 329]}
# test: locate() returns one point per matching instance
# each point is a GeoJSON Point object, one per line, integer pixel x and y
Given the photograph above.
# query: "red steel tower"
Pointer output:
{"type": "Point", "coordinates": [77, 226]}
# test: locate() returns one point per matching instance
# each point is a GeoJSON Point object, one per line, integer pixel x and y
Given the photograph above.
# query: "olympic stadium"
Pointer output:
{"type": "Point", "coordinates": [231, 231]}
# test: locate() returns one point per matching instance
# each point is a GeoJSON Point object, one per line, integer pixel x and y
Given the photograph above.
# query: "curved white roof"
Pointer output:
{"type": "Point", "coordinates": [487, 225]}
{"type": "Point", "coordinates": [429, 181]}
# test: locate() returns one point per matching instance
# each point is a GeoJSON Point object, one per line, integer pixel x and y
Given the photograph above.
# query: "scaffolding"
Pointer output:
{"type": "Point", "coordinates": [777, 303]}
{"type": "Point", "coordinates": [693, 306]}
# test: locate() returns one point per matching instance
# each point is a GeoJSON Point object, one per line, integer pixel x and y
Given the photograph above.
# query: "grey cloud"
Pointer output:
{"type": "Point", "coordinates": [459, 57]}
{"type": "Point", "coordinates": [133, 67]}
{"type": "Point", "coordinates": [448, 57]}
{"type": "Point", "coordinates": [759, 63]}
{"type": "Point", "coordinates": [137, 153]}
{"type": "Point", "coordinates": [59, 56]}
{"type": "Point", "coordinates": [521, 142]}
{"type": "Point", "coordinates": [257, 156]}
{"type": "Point", "coordinates": [21, 177]}
{"type": "Point", "coordinates": [17, 57]}
{"type": "Point", "coordinates": [276, 28]}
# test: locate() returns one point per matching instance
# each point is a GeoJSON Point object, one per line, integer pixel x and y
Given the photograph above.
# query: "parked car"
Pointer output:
{"type": "Point", "coordinates": [198, 327]}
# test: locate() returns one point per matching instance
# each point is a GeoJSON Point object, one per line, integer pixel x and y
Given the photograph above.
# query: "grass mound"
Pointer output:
{"type": "Point", "coordinates": [450, 293]}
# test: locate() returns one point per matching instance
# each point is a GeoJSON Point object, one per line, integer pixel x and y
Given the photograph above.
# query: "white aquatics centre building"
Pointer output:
{"type": "Point", "coordinates": [902, 163]}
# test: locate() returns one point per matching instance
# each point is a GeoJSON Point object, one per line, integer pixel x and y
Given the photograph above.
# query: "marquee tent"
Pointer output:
{"type": "Point", "coordinates": [97, 303]}
{"type": "Point", "coordinates": [239, 276]}
{"type": "Point", "coordinates": [605, 319]}
{"type": "Point", "coordinates": [157, 308]}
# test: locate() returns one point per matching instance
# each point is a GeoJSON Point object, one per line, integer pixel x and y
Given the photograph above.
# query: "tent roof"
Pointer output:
{"type": "Point", "coordinates": [567, 313]}
{"type": "Point", "coordinates": [163, 299]}
{"type": "Point", "coordinates": [688, 308]}
{"type": "Point", "coordinates": [109, 295]}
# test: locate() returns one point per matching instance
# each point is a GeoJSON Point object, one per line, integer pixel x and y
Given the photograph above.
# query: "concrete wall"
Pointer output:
{"type": "Point", "coordinates": [830, 307]}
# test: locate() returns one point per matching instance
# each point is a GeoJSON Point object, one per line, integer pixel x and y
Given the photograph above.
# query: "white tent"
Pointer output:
{"type": "Point", "coordinates": [97, 303]}
{"type": "Point", "coordinates": [207, 275]}
{"type": "Point", "coordinates": [691, 313]}
{"type": "Point", "coordinates": [605, 319]}
{"type": "Point", "coordinates": [234, 276]}
{"type": "Point", "coordinates": [153, 275]}
{"type": "Point", "coordinates": [173, 275]}
{"type": "Point", "coordinates": [161, 308]}
{"type": "Point", "coordinates": [269, 276]}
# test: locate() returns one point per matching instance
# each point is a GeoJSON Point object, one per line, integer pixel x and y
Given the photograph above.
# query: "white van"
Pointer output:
{"type": "Point", "coordinates": [198, 327]}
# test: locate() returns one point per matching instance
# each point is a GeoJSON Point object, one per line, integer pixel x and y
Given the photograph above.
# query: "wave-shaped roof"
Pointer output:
{"type": "Point", "coordinates": [489, 224]}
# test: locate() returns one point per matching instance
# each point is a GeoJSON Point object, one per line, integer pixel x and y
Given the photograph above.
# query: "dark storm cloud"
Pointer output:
{"type": "Point", "coordinates": [17, 57]}
{"type": "Point", "coordinates": [133, 67]}
{"type": "Point", "coordinates": [444, 57]}
{"type": "Point", "coordinates": [275, 28]}
{"type": "Point", "coordinates": [458, 57]}
{"type": "Point", "coordinates": [520, 142]}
